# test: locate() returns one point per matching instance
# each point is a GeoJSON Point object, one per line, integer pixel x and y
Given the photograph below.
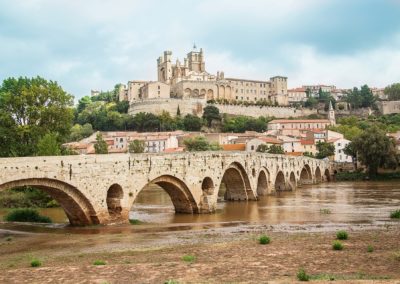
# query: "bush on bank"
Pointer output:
{"type": "Point", "coordinates": [360, 176]}
{"type": "Point", "coordinates": [26, 215]}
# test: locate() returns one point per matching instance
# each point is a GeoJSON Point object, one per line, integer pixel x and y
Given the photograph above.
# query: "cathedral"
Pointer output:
{"type": "Point", "coordinates": [190, 80]}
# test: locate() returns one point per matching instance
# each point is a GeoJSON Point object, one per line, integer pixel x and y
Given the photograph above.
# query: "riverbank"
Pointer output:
{"type": "Point", "coordinates": [221, 255]}
{"type": "Point", "coordinates": [361, 176]}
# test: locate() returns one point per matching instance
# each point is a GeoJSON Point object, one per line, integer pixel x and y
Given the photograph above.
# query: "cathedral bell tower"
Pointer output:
{"type": "Point", "coordinates": [331, 114]}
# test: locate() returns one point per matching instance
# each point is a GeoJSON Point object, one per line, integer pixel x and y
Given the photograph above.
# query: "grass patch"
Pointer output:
{"type": "Point", "coordinates": [99, 262]}
{"type": "Point", "coordinates": [325, 211]}
{"type": "Point", "coordinates": [264, 240]}
{"type": "Point", "coordinates": [395, 214]}
{"type": "Point", "coordinates": [26, 215]}
{"type": "Point", "coordinates": [342, 235]}
{"type": "Point", "coordinates": [337, 245]}
{"type": "Point", "coordinates": [36, 263]}
{"type": "Point", "coordinates": [170, 281]}
{"type": "Point", "coordinates": [188, 258]}
{"type": "Point", "coordinates": [135, 222]}
{"type": "Point", "coordinates": [370, 248]}
{"type": "Point", "coordinates": [396, 255]}
{"type": "Point", "coordinates": [8, 239]}
{"type": "Point", "coordinates": [302, 275]}
{"type": "Point", "coordinates": [357, 276]}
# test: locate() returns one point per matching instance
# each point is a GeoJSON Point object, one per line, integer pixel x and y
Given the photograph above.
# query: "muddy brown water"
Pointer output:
{"type": "Point", "coordinates": [327, 203]}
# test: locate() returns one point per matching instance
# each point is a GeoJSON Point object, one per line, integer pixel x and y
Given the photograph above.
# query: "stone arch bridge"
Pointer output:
{"type": "Point", "coordinates": [100, 189]}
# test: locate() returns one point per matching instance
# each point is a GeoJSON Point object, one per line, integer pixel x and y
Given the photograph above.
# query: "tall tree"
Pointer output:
{"type": "Point", "coordinates": [393, 92]}
{"type": "Point", "coordinates": [211, 113]}
{"type": "Point", "coordinates": [192, 122]}
{"type": "Point", "coordinates": [375, 149]}
{"type": "Point", "coordinates": [30, 108]}
{"type": "Point", "coordinates": [325, 149]}
{"type": "Point", "coordinates": [48, 145]}
{"type": "Point", "coordinates": [136, 146]}
{"type": "Point", "coordinates": [100, 147]}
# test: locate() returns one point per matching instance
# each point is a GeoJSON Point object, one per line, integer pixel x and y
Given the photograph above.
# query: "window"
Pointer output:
{"type": "Point", "coordinates": [237, 97]}
{"type": "Point", "coordinates": [252, 147]}
{"type": "Point", "coordinates": [338, 144]}
{"type": "Point", "coordinates": [158, 86]}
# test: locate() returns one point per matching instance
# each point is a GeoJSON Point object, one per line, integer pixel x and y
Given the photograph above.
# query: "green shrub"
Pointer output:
{"type": "Point", "coordinates": [264, 239]}
{"type": "Point", "coordinates": [395, 214]}
{"type": "Point", "coordinates": [337, 245]}
{"type": "Point", "coordinates": [170, 281]}
{"type": "Point", "coordinates": [188, 258]}
{"type": "Point", "coordinates": [99, 262]}
{"type": "Point", "coordinates": [325, 211]}
{"type": "Point", "coordinates": [135, 222]}
{"type": "Point", "coordinates": [36, 263]}
{"type": "Point", "coordinates": [342, 235]}
{"type": "Point", "coordinates": [26, 215]}
{"type": "Point", "coordinates": [302, 275]}
{"type": "Point", "coordinates": [370, 248]}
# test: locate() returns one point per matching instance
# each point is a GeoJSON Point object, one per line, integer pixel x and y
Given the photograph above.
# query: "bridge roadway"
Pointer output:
{"type": "Point", "coordinates": [100, 189]}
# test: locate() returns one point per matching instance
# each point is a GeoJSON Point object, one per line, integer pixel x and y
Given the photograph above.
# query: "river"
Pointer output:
{"type": "Point", "coordinates": [327, 203]}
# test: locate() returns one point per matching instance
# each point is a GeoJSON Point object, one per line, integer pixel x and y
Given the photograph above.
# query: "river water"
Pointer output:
{"type": "Point", "coordinates": [327, 203]}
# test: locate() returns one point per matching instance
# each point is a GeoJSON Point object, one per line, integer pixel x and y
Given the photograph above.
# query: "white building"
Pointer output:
{"type": "Point", "coordinates": [340, 156]}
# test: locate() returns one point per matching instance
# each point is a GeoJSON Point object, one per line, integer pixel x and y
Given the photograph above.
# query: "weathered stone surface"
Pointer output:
{"type": "Point", "coordinates": [100, 189]}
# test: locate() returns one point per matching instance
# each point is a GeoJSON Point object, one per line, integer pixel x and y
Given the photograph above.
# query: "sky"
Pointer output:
{"type": "Point", "coordinates": [95, 44]}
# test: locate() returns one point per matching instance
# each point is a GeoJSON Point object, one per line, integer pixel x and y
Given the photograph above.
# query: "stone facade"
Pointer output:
{"type": "Point", "coordinates": [190, 80]}
{"type": "Point", "coordinates": [388, 107]}
{"type": "Point", "coordinates": [196, 106]}
{"type": "Point", "coordinates": [100, 189]}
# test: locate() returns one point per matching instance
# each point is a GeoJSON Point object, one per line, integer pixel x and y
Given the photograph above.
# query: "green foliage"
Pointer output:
{"type": "Point", "coordinates": [264, 239]}
{"type": "Point", "coordinates": [136, 146]}
{"type": "Point", "coordinates": [311, 103]}
{"type": "Point", "coordinates": [276, 149]}
{"type": "Point", "coordinates": [302, 275]}
{"type": "Point", "coordinates": [135, 222]}
{"type": "Point", "coordinates": [362, 97]}
{"type": "Point", "coordinates": [24, 197]}
{"type": "Point", "coordinates": [262, 148]}
{"type": "Point", "coordinates": [273, 149]}
{"type": "Point", "coordinates": [375, 149]}
{"type": "Point", "coordinates": [79, 132]}
{"type": "Point", "coordinates": [30, 108]}
{"type": "Point", "coordinates": [100, 146]}
{"type": "Point", "coordinates": [188, 258]}
{"type": "Point", "coordinates": [240, 124]}
{"type": "Point", "coordinates": [370, 248]}
{"type": "Point", "coordinates": [325, 149]}
{"type": "Point", "coordinates": [337, 245]}
{"type": "Point", "coordinates": [26, 215]}
{"type": "Point", "coordinates": [308, 154]}
{"type": "Point", "coordinates": [36, 263]}
{"type": "Point", "coordinates": [192, 122]}
{"type": "Point", "coordinates": [211, 113]}
{"type": "Point", "coordinates": [325, 211]}
{"type": "Point", "coordinates": [395, 214]}
{"type": "Point", "coordinates": [99, 262]}
{"type": "Point", "coordinates": [342, 235]}
{"type": "Point", "coordinates": [200, 143]}
{"type": "Point", "coordinates": [48, 145]}
{"type": "Point", "coordinates": [393, 92]}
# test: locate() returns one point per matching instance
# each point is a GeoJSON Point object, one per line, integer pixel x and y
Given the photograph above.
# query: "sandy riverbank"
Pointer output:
{"type": "Point", "coordinates": [224, 255]}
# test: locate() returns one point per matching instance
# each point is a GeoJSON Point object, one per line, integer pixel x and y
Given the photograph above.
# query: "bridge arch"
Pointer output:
{"type": "Point", "coordinates": [292, 181]}
{"type": "Point", "coordinates": [237, 183]}
{"type": "Point", "coordinates": [180, 195]}
{"type": "Point", "coordinates": [114, 196]}
{"type": "Point", "coordinates": [77, 207]}
{"type": "Point", "coordinates": [280, 183]}
{"type": "Point", "coordinates": [327, 175]}
{"type": "Point", "coordinates": [305, 175]}
{"type": "Point", "coordinates": [318, 176]}
{"type": "Point", "coordinates": [262, 182]}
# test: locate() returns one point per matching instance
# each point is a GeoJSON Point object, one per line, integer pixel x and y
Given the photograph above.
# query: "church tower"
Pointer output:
{"type": "Point", "coordinates": [196, 60]}
{"type": "Point", "coordinates": [331, 114]}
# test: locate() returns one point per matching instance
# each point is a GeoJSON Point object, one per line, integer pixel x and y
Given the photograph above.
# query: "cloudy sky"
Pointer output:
{"type": "Point", "coordinates": [92, 44]}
